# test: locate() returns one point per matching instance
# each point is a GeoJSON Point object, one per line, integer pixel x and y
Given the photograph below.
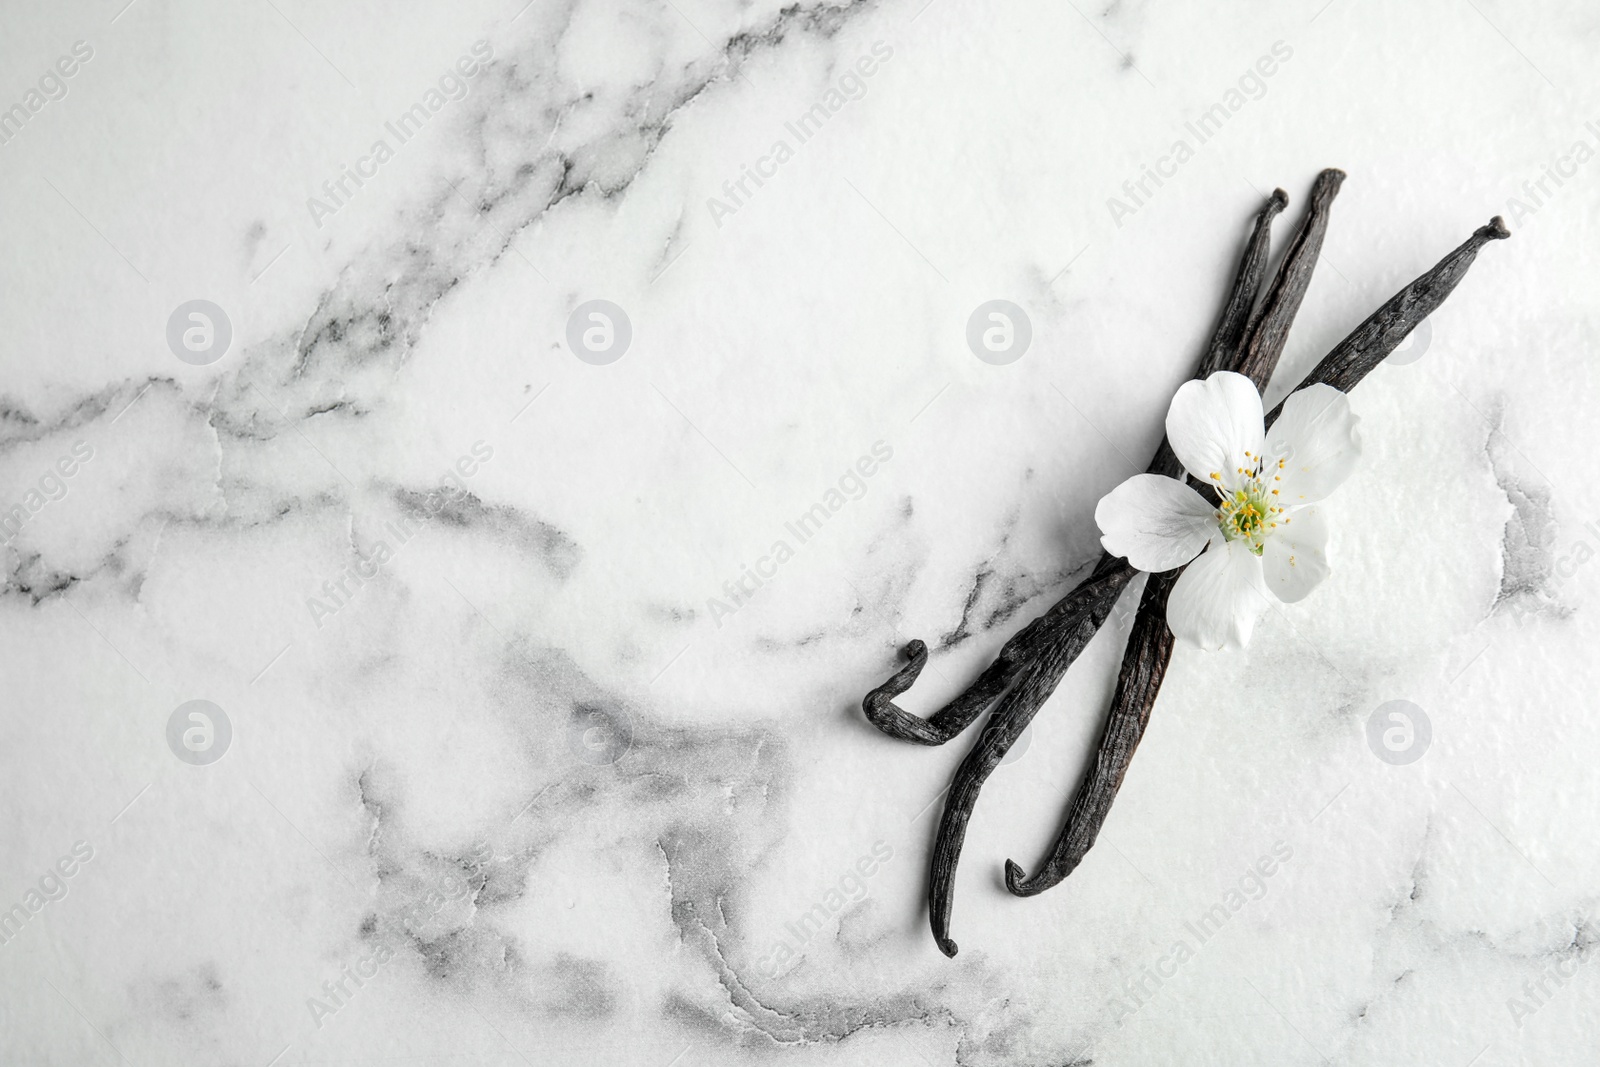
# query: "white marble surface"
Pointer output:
{"type": "Point", "coordinates": [419, 781]}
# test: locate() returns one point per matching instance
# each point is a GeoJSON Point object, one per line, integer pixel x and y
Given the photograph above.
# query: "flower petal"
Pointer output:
{"type": "Point", "coordinates": [1212, 424]}
{"type": "Point", "coordinates": [1294, 558]}
{"type": "Point", "coordinates": [1316, 440]}
{"type": "Point", "coordinates": [1158, 523]}
{"type": "Point", "coordinates": [1216, 601]}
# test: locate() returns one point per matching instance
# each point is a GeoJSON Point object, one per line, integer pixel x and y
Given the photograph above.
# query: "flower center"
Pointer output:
{"type": "Point", "coordinates": [1248, 513]}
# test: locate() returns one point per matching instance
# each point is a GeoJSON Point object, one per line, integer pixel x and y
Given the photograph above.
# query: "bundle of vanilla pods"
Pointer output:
{"type": "Point", "coordinates": [1248, 340]}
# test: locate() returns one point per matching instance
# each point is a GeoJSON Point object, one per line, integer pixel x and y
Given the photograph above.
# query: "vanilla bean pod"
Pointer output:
{"type": "Point", "coordinates": [1370, 343]}
{"type": "Point", "coordinates": [1144, 666]}
{"type": "Point", "coordinates": [1057, 645]}
{"type": "Point", "coordinates": [1037, 679]}
{"type": "Point", "coordinates": [1269, 329]}
{"type": "Point", "coordinates": [1150, 644]}
{"type": "Point", "coordinates": [1237, 314]}
{"type": "Point", "coordinates": [1111, 575]}
{"type": "Point", "coordinates": [1094, 595]}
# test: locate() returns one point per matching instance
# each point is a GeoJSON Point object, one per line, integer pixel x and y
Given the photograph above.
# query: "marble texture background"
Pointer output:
{"type": "Point", "coordinates": [540, 777]}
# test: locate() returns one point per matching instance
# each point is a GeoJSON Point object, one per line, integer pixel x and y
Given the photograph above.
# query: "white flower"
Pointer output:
{"type": "Point", "coordinates": [1264, 535]}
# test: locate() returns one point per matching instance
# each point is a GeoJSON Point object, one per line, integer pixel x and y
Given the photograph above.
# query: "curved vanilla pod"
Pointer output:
{"type": "Point", "coordinates": [1150, 644]}
{"type": "Point", "coordinates": [1144, 666]}
{"type": "Point", "coordinates": [1088, 602]}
